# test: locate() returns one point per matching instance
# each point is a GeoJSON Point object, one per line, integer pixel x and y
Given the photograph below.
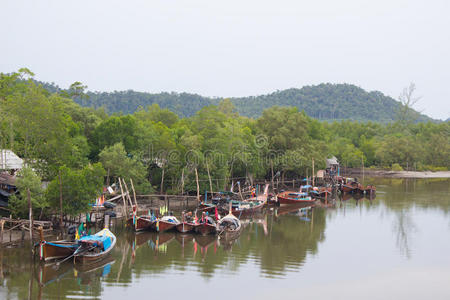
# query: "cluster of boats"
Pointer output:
{"type": "Point", "coordinates": [205, 220]}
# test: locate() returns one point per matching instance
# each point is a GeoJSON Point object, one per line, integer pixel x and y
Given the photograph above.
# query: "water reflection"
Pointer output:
{"type": "Point", "coordinates": [279, 243]}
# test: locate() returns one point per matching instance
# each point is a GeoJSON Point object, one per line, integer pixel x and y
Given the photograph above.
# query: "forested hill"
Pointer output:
{"type": "Point", "coordinates": [324, 102]}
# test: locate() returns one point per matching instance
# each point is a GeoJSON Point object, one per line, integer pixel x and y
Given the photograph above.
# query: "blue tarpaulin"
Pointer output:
{"type": "Point", "coordinates": [105, 240]}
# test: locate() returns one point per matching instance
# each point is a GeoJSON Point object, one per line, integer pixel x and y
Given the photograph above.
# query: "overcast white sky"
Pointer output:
{"type": "Point", "coordinates": [233, 48]}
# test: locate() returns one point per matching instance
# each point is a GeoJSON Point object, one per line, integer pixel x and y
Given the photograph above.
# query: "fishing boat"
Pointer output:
{"type": "Point", "coordinates": [246, 208]}
{"type": "Point", "coordinates": [370, 189]}
{"type": "Point", "coordinates": [186, 225]}
{"type": "Point", "coordinates": [51, 250]}
{"type": "Point", "coordinates": [92, 248]}
{"type": "Point", "coordinates": [206, 225]}
{"type": "Point", "coordinates": [140, 223]}
{"type": "Point", "coordinates": [229, 226]}
{"type": "Point", "coordinates": [295, 198]}
{"type": "Point", "coordinates": [165, 223]}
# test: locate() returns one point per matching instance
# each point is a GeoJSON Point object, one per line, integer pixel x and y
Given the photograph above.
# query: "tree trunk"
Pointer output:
{"type": "Point", "coordinates": [162, 181]}
{"type": "Point", "coordinates": [198, 187]}
{"type": "Point", "coordinates": [209, 176]}
{"type": "Point", "coordinates": [60, 202]}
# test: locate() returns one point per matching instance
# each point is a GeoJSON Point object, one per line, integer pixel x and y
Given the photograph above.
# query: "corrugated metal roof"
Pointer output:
{"type": "Point", "coordinates": [332, 161]}
{"type": "Point", "coordinates": [9, 160]}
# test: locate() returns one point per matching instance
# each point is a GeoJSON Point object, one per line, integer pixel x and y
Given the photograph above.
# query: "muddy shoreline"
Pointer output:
{"type": "Point", "coordinates": [397, 174]}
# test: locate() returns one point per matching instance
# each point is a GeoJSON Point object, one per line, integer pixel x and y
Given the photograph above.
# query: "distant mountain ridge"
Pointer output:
{"type": "Point", "coordinates": [324, 102]}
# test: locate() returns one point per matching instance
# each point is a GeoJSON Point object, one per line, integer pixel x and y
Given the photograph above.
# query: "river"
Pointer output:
{"type": "Point", "coordinates": [395, 246]}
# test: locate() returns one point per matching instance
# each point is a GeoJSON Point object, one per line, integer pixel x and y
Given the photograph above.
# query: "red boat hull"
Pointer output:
{"type": "Point", "coordinates": [163, 226]}
{"type": "Point", "coordinates": [284, 198]}
{"type": "Point", "coordinates": [141, 223]}
{"type": "Point", "coordinates": [185, 227]}
{"type": "Point", "coordinates": [205, 229]}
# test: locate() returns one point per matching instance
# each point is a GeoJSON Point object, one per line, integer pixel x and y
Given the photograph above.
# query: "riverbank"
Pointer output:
{"type": "Point", "coordinates": [397, 174]}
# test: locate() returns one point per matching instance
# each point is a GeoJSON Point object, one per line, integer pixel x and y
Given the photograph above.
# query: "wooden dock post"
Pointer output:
{"type": "Point", "coordinates": [313, 172]}
{"type": "Point", "coordinates": [2, 223]}
{"type": "Point", "coordinates": [30, 215]}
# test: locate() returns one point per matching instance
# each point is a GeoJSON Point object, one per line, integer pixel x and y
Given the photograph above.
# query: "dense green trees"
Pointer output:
{"type": "Point", "coordinates": [80, 188]}
{"type": "Point", "coordinates": [161, 151]}
{"type": "Point", "coordinates": [27, 182]}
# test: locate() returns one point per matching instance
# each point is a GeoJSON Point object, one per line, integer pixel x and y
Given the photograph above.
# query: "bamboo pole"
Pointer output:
{"type": "Point", "coordinates": [313, 171]}
{"type": "Point", "coordinates": [30, 215]}
{"type": "Point", "coordinates": [125, 209]}
{"type": "Point", "coordinates": [128, 193]}
{"type": "Point", "coordinates": [240, 192]}
{"type": "Point", "coordinates": [198, 187]}
{"type": "Point", "coordinates": [134, 193]}
{"type": "Point", "coordinates": [271, 167]}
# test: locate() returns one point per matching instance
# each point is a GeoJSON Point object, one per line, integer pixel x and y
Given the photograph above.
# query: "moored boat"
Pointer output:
{"type": "Point", "coordinates": [229, 226]}
{"type": "Point", "coordinates": [206, 225]}
{"type": "Point", "coordinates": [294, 198]}
{"type": "Point", "coordinates": [95, 247]}
{"type": "Point", "coordinates": [185, 227]}
{"type": "Point", "coordinates": [51, 250]}
{"type": "Point", "coordinates": [165, 223]}
{"type": "Point", "coordinates": [186, 224]}
{"type": "Point", "coordinates": [140, 223]}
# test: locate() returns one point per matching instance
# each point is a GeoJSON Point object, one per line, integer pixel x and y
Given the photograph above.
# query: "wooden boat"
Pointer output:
{"type": "Point", "coordinates": [370, 189]}
{"type": "Point", "coordinates": [140, 223]}
{"type": "Point", "coordinates": [186, 224]}
{"type": "Point", "coordinates": [350, 185]}
{"type": "Point", "coordinates": [185, 227]}
{"type": "Point", "coordinates": [229, 226]}
{"type": "Point", "coordinates": [294, 198]}
{"type": "Point", "coordinates": [206, 226]}
{"type": "Point", "coordinates": [50, 250]}
{"type": "Point", "coordinates": [56, 249]}
{"type": "Point", "coordinates": [95, 247]}
{"type": "Point", "coordinates": [165, 223]}
{"type": "Point", "coordinates": [246, 208]}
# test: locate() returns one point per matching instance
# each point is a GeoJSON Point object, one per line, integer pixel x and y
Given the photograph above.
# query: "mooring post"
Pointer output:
{"type": "Point", "coordinates": [2, 222]}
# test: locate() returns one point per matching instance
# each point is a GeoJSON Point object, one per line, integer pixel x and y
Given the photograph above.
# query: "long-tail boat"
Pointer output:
{"type": "Point", "coordinates": [50, 250]}
{"type": "Point", "coordinates": [206, 225]}
{"type": "Point", "coordinates": [140, 223]}
{"type": "Point", "coordinates": [165, 223]}
{"type": "Point", "coordinates": [246, 208]}
{"type": "Point", "coordinates": [289, 197]}
{"type": "Point", "coordinates": [229, 226]}
{"type": "Point", "coordinates": [370, 189]}
{"type": "Point", "coordinates": [95, 247]}
{"type": "Point", "coordinates": [185, 226]}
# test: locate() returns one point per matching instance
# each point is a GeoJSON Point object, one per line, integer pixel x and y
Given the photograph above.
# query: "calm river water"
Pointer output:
{"type": "Point", "coordinates": [396, 246]}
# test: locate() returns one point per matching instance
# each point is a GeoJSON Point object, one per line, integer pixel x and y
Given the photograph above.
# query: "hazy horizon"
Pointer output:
{"type": "Point", "coordinates": [233, 49]}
